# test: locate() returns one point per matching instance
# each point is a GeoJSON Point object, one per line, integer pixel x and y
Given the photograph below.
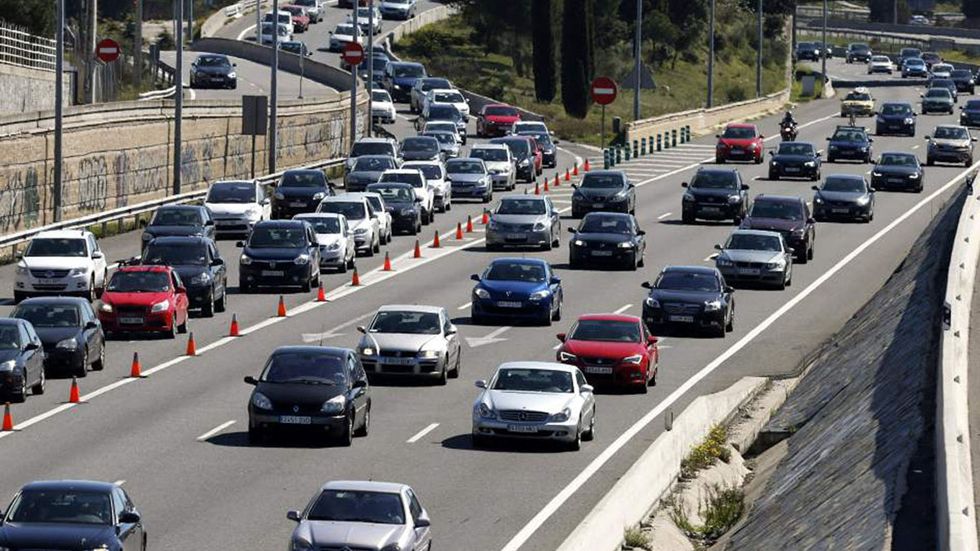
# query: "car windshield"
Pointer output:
{"type": "Point", "coordinates": [602, 181]}
{"type": "Point", "coordinates": [844, 185]}
{"type": "Point", "coordinates": [521, 206]}
{"type": "Point", "coordinates": [534, 380]}
{"type": "Point", "coordinates": [61, 507]}
{"type": "Point", "coordinates": [381, 96]}
{"type": "Point", "coordinates": [858, 96]}
{"type": "Point", "coordinates": [444, 112]}
{"type": "Point", "coordinates": [606, 330]}
{"type": "Point", "coordinates": [371, 148]}
{"type": "Point", "coordinates": [880, 59]}
{"type": "Point", "coordinates": [804, 149]}
{"type": "Point", "coordinates": [358, 506]}
{"type": "Point", "coordinates": [344, 30]}
{"type": "Point", "coordinates": [738, 133]}
{"type": "Point", "coordinates": [941, 68]}
{"type": "Point", "coordinates": [293, 47]}
{"type": "Point", "coordinates": [675, 280]}
{"type": "Point", "coordinates": [408, 71]}
{"type": "Point", "coordinates": [753, 242]}
{"type": "Point", "coordinates": [520, 149]}
{"type": "Point", "coordinates": [49, 246]}
{"type": "Point", "coordinates": [972, 105]}
{"type": "Point", "coordinates": [938, 93]}
{"type": "Point", "coordinates": [353, 210]}
{"type": "Point", "coordinates": [960, 74]}
{"type": "Point", "coordinates": [942, 83]}
{"type": "Point", "coordinates": [444, 138]}
{"type": "Point", "coordinates": [413, 178]}
{"type": "Point", "coordinates": [406, 322]}
{"type": "Point", "coordinates": [859, 48]}
{"type": "Point", "coordinates": [951, 133]}
{"type": "Point", "coordinates": [394, 194]}
{"type": "Point", "coordinates": [783, 210]}
{"type": "Point", "coordinates": [464, 167]}
{"type": "Point", "coordinates": [438, 126]}
{"type": "Point", "coordinates": [376, 203]}
{"type": "Point", "coordinates": [304, 179]}
{"type": "Point", "coordinates": [849, 136]}
{"type": "Point", "coordinates": [364, 12]}
{"type": "Point", "coordinates": [911, 52]}
{"type": "Point", "coordinates": [448, 97]}
{"type": "Point", "coordinates": [9, 337]}
{"type": "Point", "coordinates": [714, 180]}
{"type": "Point", "coordinates": [231, 193]}
{"type": "Point", "coordinates": [501, 111]}
{"type": "Point", "coordinates": [430, 171]}
{"type": "Point", "coordinates": [175, 254]}
{"type": "Point", "coordinates": [515, 271]}
{"type": "Point", "coordinates": [489, 155]}
{"type": "Point", "coordinates": [898, 159]}
{"type": "Point", "coordinates": [139, 282]}
{"type": "Point", "coordinates": [914, 62]}
{"type": "Point", "coordinates": [373, 164]}
{"type": "Point", "coordinates": [294, 10]}
{"type": "Point", "coordinates": [434, 84]}
{"type": "Point", "coordinates": [896, 109]}
{"type": "Point", "coordinates": [323, 224]}
{"type": "Point", "coordinates": [542, 138]}
{"type": "Point", "coordinates": [423, 144]}
{"type": "Point", "coordinates": [49, 315]}
{"type": "Point", "coordinates": [176, 217]}
{"type": "Point", "coordinates": [277, 237]}
{"type": "Point", "coordinates": [305, 368]}
{"type": "Point", "coordinates": [605, 224]}
{"type": "Point", "coordinates": [212, 61]}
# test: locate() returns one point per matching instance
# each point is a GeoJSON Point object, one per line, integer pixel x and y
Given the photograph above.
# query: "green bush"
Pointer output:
{"type": "Point", "coordinates": [721, 509]}
{"type": "Point", "coordinates": [635, 537]}
{"type": "Point", "coordinates": [704, 455]}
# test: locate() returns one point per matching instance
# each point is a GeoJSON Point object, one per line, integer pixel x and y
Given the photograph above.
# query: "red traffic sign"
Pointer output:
{"type": "Point", "coordinates": [353, 54]}
{"type": "Point", "coordinates": [604, 90]}
{"type": "Point", "coordinates": [107, 50]}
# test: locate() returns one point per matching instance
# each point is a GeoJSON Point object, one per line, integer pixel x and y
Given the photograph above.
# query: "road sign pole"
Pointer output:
{"type": "Point", "coordinates": [602, 128]}
{"type": "Point", "coordinates": [178, 97]}
{"type": "Point", "coordinates": [274, 88]}
{"type": "Point", "coordinates": [258, 22]}
{"type": "Point", "coordinates": [637, 62]}
{"type": "Point", "coordinates": [138, 47]}
{"type": "Point", "coordinates": [370, 68]}
{"type": "Point", "coordinates": [711, 53]}
{"type": "Point", "coordinates": [302, 56]}
{"type": "Point", "coordinates": [758, 58]}
{"type": "Point", "coordinates": [353, 81]}
{"type": "Point", "coordinates": [823, 64]}
{"type": "Point", "coordinates": [59, 66]}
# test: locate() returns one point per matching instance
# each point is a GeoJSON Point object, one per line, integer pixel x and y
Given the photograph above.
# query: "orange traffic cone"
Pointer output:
{"type": "Point", "coordinates": [546, 185]}
{"type": "Point", "coordinates": [568, 175]}
{"type": "Point", "coordinates": [8, 420]}
{"type": "Point", "coordinates": [136, 371]}
{"type": "Point", "coordinates": [435, 241]}
{"type": "Point", "coordinates": [537, 190]}
{"type": "Point", "coordinates": [469, 224]}
{"type": "Point", "coordinates": [575, 169]}
{"type": "Point", "coordinates": [459, 231]}
{"type": "Point", "coordinates": [355, 279]}
{"type": "Point", "coordinates": [387, 266]}
{"type": "Point", "coordinates": [191, 346]}
{"type": "Point", "coordinates": [585, 167]}
{"type": "Point", "coordinates": [321, 295]}
{"type": "Point", "coordinates": [282, 308]}
{"type": "Point", "coordinates": [486, 218]}
{"type": "Point", "coordinates": [73, 397]}
{"type": "Point", "coordinates": [418, 250]}
{"type": "Point", "coordinates": [233, 332]}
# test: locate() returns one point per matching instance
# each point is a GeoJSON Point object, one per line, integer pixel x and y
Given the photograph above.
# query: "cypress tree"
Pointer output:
{"type": "Point", "coordinates": [577, 56]}
{"type": "Point", "coordinates": [543, 43]}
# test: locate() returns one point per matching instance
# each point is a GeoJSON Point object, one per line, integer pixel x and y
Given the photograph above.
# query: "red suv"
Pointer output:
{"type": "Point", "coordinates": [739, 142]}
{"type": "Point", "coordinates": [142, 299]}
{"type": "Point", "coordinates": [613, 349]}
{"type": "Point", "coordinates": [496, 119]}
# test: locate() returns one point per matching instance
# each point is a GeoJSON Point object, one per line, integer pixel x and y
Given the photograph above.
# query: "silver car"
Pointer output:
{"type": "Point", "coordinates": [335, 239]}
{"type": "Point", "coordinates": [950, 144]}
{"type": "Point", "coordinates": [448, 144]}
{"type": "Point", "coordinates": [755, 256]}
{"type": "Point", "coordinates": [366, 170]}
{"type": "Point", "coordinates": [435, 177]}
{"type": "Point", "coordinates": [524, 221]}
{"type": "Point", "coordinates": [470, 179]}
{"type": "Point", "coordinates": [539, 400]}
{"type": "Point", "coordinates": [500, 164]}
{"type": "Point", "coordinates": [411, 340]}
{"type": "Point", "coordinates": [362, 515]}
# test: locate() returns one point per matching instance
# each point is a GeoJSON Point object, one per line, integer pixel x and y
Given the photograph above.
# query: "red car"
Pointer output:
{"type": "Point", "coordinates": [301, 21]}
{"type": "Point", "coordinates": [613, 349]}
{"type": "Point", "coordinates": [144, 299]}
{"type": "Point", "coordinates": [739, 142]}
{"type": "Point", "coordinates": [538, 155]}
{"type": "Point", "coordinates": [496, 119]}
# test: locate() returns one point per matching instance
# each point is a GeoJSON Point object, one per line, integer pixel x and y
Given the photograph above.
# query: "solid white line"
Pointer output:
{"type": "Point", "coordinates": [422, 433]}
{"type": "Point", "coordinates": [664, 215]}
{"type": "Point", "coordinates": [464, 306]}
{"type": "Point", "coordinates": [215, 430]}
{"type": "Point", "coordinates": [248, 31]}
{"type": "Point", "coordinates": [916, 146]}
{"type": "Point", "coordinates": [623, 309]}
{"type": "Point", "coordinates": [496, 332]}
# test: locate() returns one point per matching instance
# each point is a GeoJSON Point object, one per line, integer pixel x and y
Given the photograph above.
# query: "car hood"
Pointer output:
{"type": "Point", "coordinates": [784, 158]}
{"type": "Point", "coordinates": [326, 239]}
{"type": "Point", "coordinates": [55, 262]}
{"type": "Point", "coordinates": [512, 219]}
{"type": "Point", "coordinates": [747, 255]}
{"type": "Point", "coordinates": [420, 155]}
{"type": "Point", "coordinates": [533, 401]}
{"type": "Point", "coordinates": [55, 535]}
{"type": "Point", "coordinates": [187, 272]}
{"type": "Point", "coordinates": [229, 208]}
{"type": "Point", "coordinates": [400, 341]}
{"type": "Point", "coordinates": [599, 193]}
{"type": "Point", "coordinates": [385, 105]}
{"type": "Point", "coordinates": [603, 349]}
{"type": "Point", "coordinates": [297, 394]}
{"type": "Point", "coordinates": [133, 299]}
{"type": "Point", "coordinates": [286, 254]}
{"type": "Point", "coordinates": [6, 355]}
{"type": "Point", "coordinates": [501, 119]}
{"type": "Point", "coordinates": [52, 335]}
{"type": "Point", "coordinates": [896, 116]}
{"type": "Point", "coordinates": [711, 192]}
{"type": "Point", "coordinates": [937, 99]}
{"type": "Point", "coordinates": [974, 111]}
{"type": "Point", "coordinates": [502, 166]}
{"type": "Point", "coordinates": [173, 230]}
{"type": "Point", "coordinates": [603, 237]}
{"type": "Point", "coordinates": [355, 535]}
{"type": "Point", "coordinates": [737, 142]}
{"type": "Point", "coordinates": [405, 81]}
{"type": "Point", "coordinates": [399, 205]}
{"type": "Point", "coordinates": [345, 37]}
{"type": "Point", "coordinates": [842, 196]}
{"type": "Point", "coordinates": [214, 70]}
{"type": "Point", "coordinates": [895, 170]}
{"type": "Point", "coordinates": [951, 143]}
{"type": "Point", "coordinates": [517, 288]}
{"type": "Point", "coordinates": [364, 175]}
{"type": "Point", "coordinates": [857, 102]}
{"type": "Point", "coordinates": [305, 192]}
{"type": "Point", "coordinates": [848, 144]}
{"type": "Point", "coordinates": [466, 178]}
{"type": "Point", "coordinates": [772, 224]}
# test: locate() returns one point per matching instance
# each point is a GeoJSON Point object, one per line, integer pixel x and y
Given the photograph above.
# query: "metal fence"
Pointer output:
{"type": "Point", "coordinates": [25, 49]}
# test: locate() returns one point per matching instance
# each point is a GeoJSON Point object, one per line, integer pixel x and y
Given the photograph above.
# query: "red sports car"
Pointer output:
{"type": "Point", "coordinates": [141, 299]}
{"type": "Point", "coordinates": [739, 142]}
{"type": "Point", "coordinates": [496, 119]}
{"type": "Point", "coordinates": [613, 349]}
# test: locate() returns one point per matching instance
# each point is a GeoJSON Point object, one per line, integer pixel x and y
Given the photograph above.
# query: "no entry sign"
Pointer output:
{"type": "Point", "coordinates": [604, 90]}
{"type": "Point", "coordinates": [353, 54]}
{"type": "Point", "coordinates": [107, 50]}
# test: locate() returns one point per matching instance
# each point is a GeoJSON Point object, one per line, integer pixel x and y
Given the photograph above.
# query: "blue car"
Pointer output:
{"type": "Point", "coordinates": [524, 289]}
{"type": "Point", "coordinates": [850, 142]}
{"type": "Point", "coordinates": [399, 77]}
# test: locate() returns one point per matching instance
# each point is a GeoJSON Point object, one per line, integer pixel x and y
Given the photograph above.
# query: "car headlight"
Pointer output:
{"type": "Point", "coordinates": [407, 212]}
{"type": "Point", "coordinates": [486, 411]}
{"type": "Point", "coordinates": [625, 245]}
{"type": "Point", "coordinates": [810, 164]}
{"type": "Point", "coordinates": [567, 356]}
{"type": "Point", "coordinates": [319, 195]}
{"type": "Point", "coordinates": [481, 293]}
{"type": "Point", "coordinates": [525, 162]}
{"type": "Point", "coordinates": [232, 74]}
{"type": "Point", "coordinates": [201, 278]}
{"type": "Point", "coordinates": [876, 174]}
{"type": "Point", "coordinates": [367, 351]}
{"type": "Point", "coordinates": [68, 344]}
{"type": "Point", "coordinates": [913, 176]}
{"type": "Point", "coordinates": [688, 197]}
{"type": "Point", "coordinates": [909, 120]}
{"type": "Point", "coordinates": [361, 231]}
{"type": "Point", "coordinates": [279, 196]}
{"type": "Point", "coordinates": [833, 147]}
{"type": "Point", "coordinates": [723, 262]}
{"type": "Point", "coordinates": [392, 547]}
{"type": "Point", "coordinates": [160, 306]}
{"type": "Point", "coordinates": [578, 243]}
{"type": "Point", "coordinates": [429, 354]}
{"type": "Point", "coordinates": [105, 307]}
{"type": "Point", "coordinates": [492, 226]}
{"type": "Point", "coordinates": [818, 200]}
{"type": "Point", "coordinates": [261, 401]}
{"type": "Point", "coordinates": [21, 269]}
{"type": "Point", "coordinates": [246, 260]}
{"type": "Point", "coordinates": [734, 198]}
{"type": "Point", "coordinates": [253, 212]}
{"type": "Point", "coordinates": [302, 259]}
{"type": "Point", "coordinates": [8, 365]}
{"type": "Point", "coordinates": [540, 295]}
{"type": "Point", "coordinates": [652, 302]}
{"type": "Point", "coordinates": [712, 305]}
{"type": "Point", "coordinates": [333, 246]}
{"type": "Point", "coordinates": [881, 120]}
{"type": "Point", "coordinates": [774, 163]}
{"type": "Point", "coordinates": [334, 406]}
{"type": "Point", "coordinates": [633, 360]}
{"type": "Point", "coordinates": [863, 201]}
{"type": "Point", "coordinates": [539, 226]}
{"type": "Point", "coordinates": [78, 272]}
{"type": "Point", "coordinates": [777, 265]}
{"type": "Point", "coordinates": [562, 415]}
{"type": "Point", "coordinates": [147, 237]}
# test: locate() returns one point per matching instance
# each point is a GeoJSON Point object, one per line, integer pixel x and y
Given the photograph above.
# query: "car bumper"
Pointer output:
{"type": "Point", "coordinates": [895, 182]}
{"type": "Point", "coordinates": [712, 211]}
{"type": "Point", "coordinates": [333, 259]}
{"type": "Point", "coordinates": [285, 273]}
{"type": "Point", "coordinates": [288, 209]}
{"type": "Point", "coordinates": [148, 322]}
{"type": "Point", "coordinates": [501, 181]}
{"type": "Point", "coordinates": [518, 238]}
{"type": "Point", "coordinates": [584, 206]}
{"type": "Point", "coordinates": [850, 153]}
{"type": "Point", "coordinates": [527, 310]}
{"type": "Point", "coordinates": [862, 110]}
{"type": "Point", "coordinates": [894, 127]}
{"type": "Point", "coordinates": [384, 116]}
{"type": "Point", "coordinates": [363, 242]}
{"type": "Point", "coordinates": [607, 255]}
{"type": "Point", "coordinates": [287, 419]}
{"type": "Point", "coordinates": [934, 107]}
{"type": "Point", "coordinates": [562, 432]}
{"type": "Point", "coordinates": [611, 372]}
{"type": "Point", "coordinates": [470, 192]}
{"type": "Point", "coordinates": [415, 367]}
{"type": "Point", "coordinates": [30, 285]}
{"type": "Point", "coordinates": [58, 358]}
{"type": "Point", "coordinates": [657, 317]}
{"type": "Point", "coordinates": [401, 95]}
{"type": "Point", "coordinates": [735, 275]}
{"type": "Point", "coordinates": [794, 171]}
{"type": "Point", "coordinates": [233, 226]}
{"type": "Point", "coordinates": [841, 211]}
{"type": "Point", "coordinates": [950, 156]}
{"type": "Point", "coordinates": [737, 154]}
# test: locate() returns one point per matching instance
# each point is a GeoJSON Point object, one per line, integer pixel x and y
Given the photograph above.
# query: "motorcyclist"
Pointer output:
{"type": "Point", "coordinates": [788, 121]}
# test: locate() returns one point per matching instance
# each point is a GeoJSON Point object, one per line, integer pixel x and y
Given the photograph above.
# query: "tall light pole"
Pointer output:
{"type": "Point", "coordinates": [274, 88]}
{"type": "Point", "coordinates": [138, 47]}
{"type": "Point", "coordinates": [190, 20]}
{"type": "Point", "coordinates": [637, 62]}
{"type": "Point", "coordinates": [823, 49]}
{"type": "Point", "coordinates": [59, 66]}
{"type": "Point", "coordinates": [258, 23]}
{"type": "Point", "coordinates": [711, 53]}
{"type": "Point", "coordinates": [353, 86]}
{"type": "Point", "coordinates": [178, 96]}
{"type": "Point", "coordinates": [758, 58]}
{"type": "Point", "coordinates": [370, 67]}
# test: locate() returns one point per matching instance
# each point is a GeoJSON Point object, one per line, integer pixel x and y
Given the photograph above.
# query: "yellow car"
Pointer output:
{"type": "Point", "coordinates": [858, 102]}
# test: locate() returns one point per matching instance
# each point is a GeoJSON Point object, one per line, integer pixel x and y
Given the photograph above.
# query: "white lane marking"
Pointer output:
{"type": "Point", "coordinates": [623, 309]}
{"type": "Point", "coordinates": [556, 502]}
{"type": "Point", "coordinates": [249, 30]}
{"type": "Point", "coordinates": [490, 338]}
{"type": "Point", "coordinates": [916, 146]}
{"type": "Point", "coordinates": [664, 215]}
{"type": "Point", "coordinates": [418, 436]}
{"type": "Point", "coordinates": [215, 430]}
{"type": "Point", "coordinates": [318, 337]}
{"type": "Point", "coordinates": [464, 306]}
{"type": "Point", "coordinates": [119, 482]}
{"type": "Point", "coordinates": [562, 201]}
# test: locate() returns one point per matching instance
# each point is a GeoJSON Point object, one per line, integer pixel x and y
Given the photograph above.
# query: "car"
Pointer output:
{"type": "Point", "coordinates": [448, 95]}
{"type": "Point", "coordinates": [71, 334]}
{"type": "Point", "coordinates": [376, 515]}
{"type": "Point", "coordinates": [334, 238]}
{"type": "Point", "coordinates": [806, 51]}
{"type": "Point", "coordinates": [964, 80]}
{"type": "Point", "coordinates": [947, 84]}
{"type": "Point", "coordinates": [525, 157]}
{"type": "Point", "coordinates": [314, 9]}
{"type": "Point", "coordinates": [301, 21]}
{"type": "Point", "coordinates": [366, 170]}
{"type": "Point", "coordinates": [850, 142]}
{"type": "Point", "coordinates": [937, 100]}
{"type": "Point", "coordinates": [919, 20]}
{"type": "Point", "coordinates": [437, 180]}
{"type": "Point", "coordinates": [895, 118]}
{"type": "Point", "coordinates": [496, 119]}
{"type": "Point", "coordinates": [604, 190]}
{"type": "Point", "coordinates": [612, 350]}
{"type": "Point", "coordinates": [364, 224]}
{"type": "Point", "coordinates": [931, 58]}
{"type": "Point", "coordinates": [380, 210]}
{"type": "Point", "coordinates": [858, 51]}
{"type": "Point", "coordinates": [277, 32]}
{"type": "Point", "coordinates": [422, 87]}
{"type": "Point", "coordinates": [715, 194]}
{"type": "Point", "coordinates": [858, 102]}
{"type": "Point", "coordinates": [61, 262]}
{"type": "Point", "coordinates": [398, 9]}
{"type": "Point", "coordinates": [950, 144]}
{"type": "Point", "coordinates": [538, 154]}
{"type": "Point", "coordinates": [442, 112]}
{"type": "Point", "coordinates": [179, 220]}
{"type": "Point", "coordinates": [794, 160]}
{"type": "Point", "coordinates": [61, 513]}
{"type": "Point", "coordinates": [144, 299]}
{"type": "Point", "coordinates": [914, 67]}
{"type": "Point", "coordinates": [415, 341]}
{"type": "Point", "coordinates": [470, 179]}
{"type": "Point", "coordinates": [342, 35]}
{"type": "Point", "coordinates": [417, 179]}
{"type": "Point", "coordinates": [908, 53]}
{"type": "Point", "coordinates": [365, 18]}
{"type": "Point", "coordinates": [524, 221]}
{"type": "Point", "coordinates": [880, 64]}
{"type": "Point", "coordinates": [421, 148]}
{"type": "Point", "coordinates": [740, 142]}
{"type": "Point", "coordinates": [199, 265]}
{"type": "Point", "coordinates": [282, 17]}
{"type": "Point", "coordinates": [444, 126]}
{"type": "Point", "coordinates": [448, 143]}
{"type": "Point", "coordinates": [403, 206]}
{"type": "Point", "coordinates": [844, 196]}
{"type": "Point", "coordinates": [296, 47]}
{"type": "Point", "coordinates": [400, 78]}
{"type": "Point", "coordinates": [689, 298]}
{"type": "Point", "coordinates": [299, 191]}
{"type": "Point", "coordinates": [607, 238]}
{"type": "Point", "coordinates": [500, 163]}
{"type": "Point", "coordinates": [535, 400]}
{"type": "Point", "coordinates": [237, 205]}
{"type": "Point", "coordinates": [372, 146]}
{"type": "Point", "coordinates": [279, 253]}
{"type": "Point", "coordinates": [317, 388]}
{"type": "Point", "coordinates": [21, 360]}
{"type": "Point", "coordinates": [213, 71]}
{"type": "Point", "coordinates": [535, 127]}
{"type": "Point", "coordinates": [826, 50]}
{"type": "Point", "coordinates": [788, 215]}
{"type": "Point", "coordinates": [940, 70]}
{"type": "Point", "coordinates": [898, 170]}
{"type": "Point", "coordinates": [970, 113]}
{"type": "Point", "coordinates": [382, 108]}
{"type": "Point", "coordinates": [375, 68]}
{"type": "Point", "coordinates": [548, 146]}
{"type": "Point", "coordinates": [517, 289]}
{"type": "Point", "coordinates": [755, 257]}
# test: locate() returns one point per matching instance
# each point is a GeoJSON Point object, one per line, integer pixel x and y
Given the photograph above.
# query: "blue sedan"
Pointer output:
{"type": "Point", "coordinates": [524, 289]}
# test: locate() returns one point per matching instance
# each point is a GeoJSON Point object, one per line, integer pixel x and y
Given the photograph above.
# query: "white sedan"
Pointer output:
{"type": "Point", "coordinates": [382, 108]}
{"type": "Point", "coordinates": [435, 176]}
{"type": "Point", "coordinates": [450, 96]}
{"type": "Point", "coordinates": [880, 64]}
{"type": "Point", "coordinates": [334, 237]}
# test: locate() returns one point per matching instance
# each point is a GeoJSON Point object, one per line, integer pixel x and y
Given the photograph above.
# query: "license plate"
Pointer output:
{"type": "Point", "coordinates": [792, 169]}
{"type": "Point", "coordinates": [522, 428]}
{"type": "Point", "coordinates": [516, 236]}
{"type": "Point", "coordinates": [295, 420]}
{"type": "Point", "coordinates": [682, 319]}
{"type": "Point", "coordinates": [737, 152]}
{"type": "Point", "coordinates": [895, 180]}
{"type": "Point", "coordinates": [131, 321]}
{"type": "Point", "coordinates": [602, 253]}
{"type": "Point", "coordinates": [599, 205]}
{"type": "Point", "coordinates": [509, 304]}
{"type": "Point", "coordinates": [711, 209]}
{"type": "Point", "coordinates": [298, 204]}
{"type": "Point", "coordinates": [748, 271]}
{"type": "Point", "coordinates": [48, 282]}
{"type": "Point", "coordinates": [840, 211]}
{"type": "Point", "coordinates": [398, 361]}
{"type": "Point", "coordinates": [273, 273]}
{"type": "Point", "coordinates": [599, 370]}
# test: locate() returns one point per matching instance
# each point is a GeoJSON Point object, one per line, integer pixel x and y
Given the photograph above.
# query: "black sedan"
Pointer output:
{"type": "Point", "coordinates": [605, 238]}
{"type": "Point", "coordinates": [715, 194]}
{"type": "Point", "coordinates": [311, 387]}
{"type": "Point", "coordinates": [421, 148]}
{"type": "Point", "coordinates": [895, 118]}
{"type": "Point", "coordinates": [794, 160]}
{"type": "Point", "coordinates": [844, 196]}
{"type": "Point", "coordinates": [200, 266]}
{"type": "Point", "coordinates": [970, 113]}
{"type": "Point", "coordinates": [213, 71]}
{"type": "Point", "coordinates": [604, 190]}
{"type": "Point", "coordinates": [689, 297]}
{"type": "Point", "coordinates": [280, 253]}
{"type": "Point", "coordinates": [179, 220]}
{"type": "Point", "coordinates": [403, 205]}
{"type": "Point", "coordinates": [549, 147]}
{"type": "Point", "coordinates": [898, 170]}
{"type": "Point", "coordinates": [21, 360]}
{"type": "Point", "coordinates": [70, 333]}
{"type": "Point", "coordinates": [298, 192]}
{"type": "Point", "coordinates": [964, 80]}
{"type": "Point", "coordinates": [59, 514]}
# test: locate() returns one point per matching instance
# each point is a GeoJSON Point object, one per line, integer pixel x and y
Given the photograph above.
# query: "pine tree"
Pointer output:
{"type": "Point", "coordinates": [543, 19]}
{"type": "Point", "coordinates": [577, 56]}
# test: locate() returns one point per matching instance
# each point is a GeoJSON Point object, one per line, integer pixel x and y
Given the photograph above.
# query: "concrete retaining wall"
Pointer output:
{"type": "Point", "coordinates": [23, 89]}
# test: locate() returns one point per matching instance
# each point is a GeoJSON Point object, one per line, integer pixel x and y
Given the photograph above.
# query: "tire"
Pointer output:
{"type": "Point", "coordinates": [831, 159]}
{"type": "Point", "coordinates": [305, 286]}
{"type": "Point", "coordinates": [91, 290]}
{"type": "Point", "coordinates": [221, 305]}
{"type": "Point", "coordinates": [20, 396]}
{"type": "Point", "coordinates": [454, 374]}
{"type": "Point", "coordinates": [346, 437]}
{"type": "Point", "coordinates": [38, 388]}
{"type": "Point", "coordinates": [809, 252]}
{"type": "Point", "coordinates": [19, 297]}
{"type": "Point", "coordinates": [343, 266]}
{"type": "Point", "coordinates": [687, 218]}
{"type": "Point", "coordinates": [256, 435]}
{"type": "Point", "coordinates": [575, 445]}
{"type": "Point", "coordinates": [589, 435]}
{"type": "Point", "coordinates": [244, 288]}
{"type": "Point", "coordinates": [82, 370]}
{"type": "Point", "coordinates": [730, 324]}
{"type": "Point", "coordinates": [633, 265]}
{"type": "Point", "coordinates": [182, 328]}
{"type": "Point", "coordinates": [377, 245]}
{"type": "Point", "coordinates": [557, 315]}
{"type": "Point", "coordinates": [365, 427]}
{"type": "Point", "coordinates": [99, 363]}
{"type": "Point", "coordinates": [208, 309]}
{"type": "Point", "coordinates": [930, 161]}
{"type": "Point", "coordinates": [443, 377]}
{"type": "Point", "coordinates": [773, 176]}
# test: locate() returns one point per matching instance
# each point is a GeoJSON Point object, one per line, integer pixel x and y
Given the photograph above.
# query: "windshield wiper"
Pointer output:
{"type": "Point", "coordinates": [311, 382]}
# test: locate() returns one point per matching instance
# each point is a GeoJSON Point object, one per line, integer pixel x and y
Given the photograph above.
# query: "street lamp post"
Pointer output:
{"type": "Point", "coordinates": [758, 58]}
{"type": "Point", "coordinates": [274, 88]}
{"type": "Point", "coordinates": [178, 96]}
{"type": "Point", "coordinates": [637, 62]}
{"type": "Point", "coordinates": [353, 87]}
{"type": "Point", "coordinates": [711, 53]}
{"type": "Point", "coordinates": [823, 49]}
{"type": "Point", "coordinates": [370, 67]}
{"type": "Point", "coordinates": [59, 66]}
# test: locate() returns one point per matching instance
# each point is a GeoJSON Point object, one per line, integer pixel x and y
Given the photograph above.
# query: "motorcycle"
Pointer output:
{"type": "Point", "coordinates": [788, 132]}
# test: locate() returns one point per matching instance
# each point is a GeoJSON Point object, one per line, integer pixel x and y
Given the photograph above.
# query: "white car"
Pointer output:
{"type": "Point", "coordinates": [880, 64]}
{"type": "Point", "coordinates": [529, 126]}
{"type": "Point", "coordinates": [343, 35]}
{"type": "Point", "coordinates": [335, 239]}
{"type": "Point", "coordinates": [412, 341]}
{"type": "Point", "coordinates": [535, 400]}
{"type": "Point", "coordinates": [64, 262]}
{"type": "Point", "coordinates": [237, 205]}
{"type": "Point", "coordinates": [940, 70]}
{"type": "Point", "coordinates": [266, 37]}
{"type": "Point", "coordinates": [418, 181]}
{"type": "Point", "coordinates": [371, 146]}
{"type": "Point", "coordinates": [444, 95]}
{"type": "Point", "coordinates": [435, 176]}
{"type": "Point", "coordinates": [364, 20]}
{"type": "Point", "coordinates": [442, 126]}
{"type": "Point", "coordinates": [364, 223]}
{"type": "Point", "coordinates": [382, 108]}
{"type": "Point", "coordinates": [500, 163]}
{"type": "Point", "coordinates": [381, 211]}
{"type": "Point", "coordinates": [285, 18]}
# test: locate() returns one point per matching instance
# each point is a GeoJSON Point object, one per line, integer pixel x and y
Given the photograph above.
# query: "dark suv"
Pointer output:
{"type": "Point", "coordinates": [858, 51]}
{"type": "Point", "coordinates": [715, 194]}
{"type": "Point", "coordinates": [280, 253]}
{"type": "Point", "coordinates": [299, 191]}
{"type": "Point", "coordinates": [787, 215]}
{"type": "Point", "coordinates": [895, 118]}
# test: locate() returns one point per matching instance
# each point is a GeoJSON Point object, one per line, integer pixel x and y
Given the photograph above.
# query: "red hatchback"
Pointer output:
{"type": "Point", "coordinates": [739, 142]}
{"type": "Point", "coordinates": [141, 299]}
{"type": "Point", "coordinates": [613, 349]}
{"type": "Point", "coordinates": [496, 119]}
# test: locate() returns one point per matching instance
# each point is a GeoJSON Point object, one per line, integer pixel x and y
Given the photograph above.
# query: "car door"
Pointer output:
{"type": "Point", "coordinates": [639, 237]}
{"type": "Point", "coordinates": [31, 372]}
{"type": "Point", "coordinates": [313, 248]}
{"type": "Point", "coordinates": [555, 218]}
{"type": "Point", "coordinates": [34, 357]}
{"type": "Point", "coordinates": [98, 260]}
{"type": "Point", "coordinates": [131, 534]}
{"type": "Point", "coordinates": [208, 223]}
{"type": "Point", "coordinates": [588, 400]}
{"type": "Point", "coordinates": [181, 302]}
{"type": "Point", "coordinates": [452, 341]}
{"type": "Point", "coordinates": [653, 350]}
{"type": "Point", "coordinates": [358, 395]}
{"type": "Point", "coordinates": [554, 284]}
{"type": "Point", "coordinates": [92, 331]}
{"type": "Point", "coordinates": [423, 534]}
{"type": "Point", "coordinates": [219, 271]}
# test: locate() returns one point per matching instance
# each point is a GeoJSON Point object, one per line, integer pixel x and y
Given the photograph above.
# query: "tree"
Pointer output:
{"type": "Point", "coordinates": [35, 16]}
{"type": "Point", "coordinates": [971, 9]}
{"type": "Point", "coordinates": [544, 15]}
{"type": "Point", "coordinates": [577, 56]}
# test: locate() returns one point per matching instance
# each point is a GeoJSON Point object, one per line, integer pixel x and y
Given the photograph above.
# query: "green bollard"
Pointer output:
{"type": "Point", "coordinates": [627, 154]}
{"type": "Point", "coordinates": [605, 159]}
{"type": "Point", "coordinates": [659, 144]}
{"type": "Point", "coordinates": [619, 155]}
{"type": "Point", "coordinates": [673, 138]}
{"type": "Point", "coordinates": [688, 127]}
{"type": "Point", "coordinates": [636, 148]}
{"type": "Point", "coordinates": [643, 146]}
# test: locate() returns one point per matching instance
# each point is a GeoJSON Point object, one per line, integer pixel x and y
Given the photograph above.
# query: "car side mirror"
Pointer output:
{"type": "Point", "coordinates": [561, 336]}
{"type": "Point", "coordinates": [452, 330]}
{"type": "Point", "coordinates": [790, 250]}
{"type": "Point", "coordinates": [182, 290]}
{"type": "Point", "coordinates": [91, 324]}
{"type": "Point", "coordinates": [771, 153]}
{"type": "Point", "coordinates": [652, 340]}
{"type": "Point", "coordinates": [361, 329]}
{"type": "Point", "coordinates": [684, 184]}
{"type": "Point", "coordinates": [555, 280]}
{"type": "Point", "coordinates": [250, 380]}
{"type": "Point", "coordinates": [29, 346]}
{"type": "Point", "coordinates": [587, 389]}
{"type": "Point", "coordinates": [646, 285]}
{"type": "Point", "coordinates": [815, 188]}
{"type": "Point", "coordinates": [266, 201]}
{"type": "Point", "coordinates": [827, 138]}
{"type": "Point", "coordinates": [818, 154]}
{"type": "Point", "coordinates": [717, 247]}
{"type": "Point", "coordinates": [218, 262]}
{"type": "Point", "coordinates": [973, 139]}
{"type": "Point", "coordinates": [293, 515]}
{"type": "Point", "coordinates": [475, 277]}
{"type": "Point", "coordinates": [556, 142]}
{"type": "Point", "coordinates": [240, 244]}
{"type": "Point", "coordinates": [480, 383]}
{"type": "Point", "coordinates": [641, 232]}
{"type": "Point", "coordinates": [871, 140]}
{"type": "Point", "coordinates": [729, 289]}
{"type": "Point", "coordinates": [761, 137]}
{"type": "Point", "coordinates": [811, 221]}
{"type": "Point", "coordinates": [423, 521]}
{"type": "Point", "coordinates": [718, 135]}
{"type": "Point", "coordinates": [927, 137]}
{"type": "Point", "coordinates": [98, 255]}
{"type": "Point", "coordinates": [129, 517]}
{"type": "Point", "coordinates": [209, 223]}
{"type": "Point", "coordinates": [359, 383]}
{"type": "Point", "coordinates": [745, 187]}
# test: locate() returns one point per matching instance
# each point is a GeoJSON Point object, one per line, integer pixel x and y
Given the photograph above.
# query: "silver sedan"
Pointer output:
{"type": "Point", "coordinates": [524, 221]}
{"type": "Point", "coordinates": [756, 256]}
{"type": "Point", "coordinates": [412, 341]}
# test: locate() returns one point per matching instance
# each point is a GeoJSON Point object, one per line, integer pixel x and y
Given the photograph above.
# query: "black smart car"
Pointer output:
{"type": "Point", "coordinates": [795, 160]}
{"type": "Point", "coordinates": [895, 118]}
{"type": "Point", "coordinates": [179, 220]}
{"type": "Point", "coordinates": [898, 170]}
{"type": "Point", "coordinates": [70, 333]}
{"type": "Point", "coordinates": [280, 253]}
{"type": "Point", "coordinates": [21, 360]}
{"type": "Point", "coordinates": [604, 238]}
{"type": "Point", "coordinates": [299, 191]}
{"type": "Point", "coordinates": [715, 194]}
{"type": "Point", "coordinates": [402, 204]}
{"type": "Point", "coordinates": [604, 190]}
{"type": "Point", "coordinates": [850, 142]}
{"type": "Point", "coordinates": [200, 266]}
{"type": "Point", "coordinates": [689, 297]}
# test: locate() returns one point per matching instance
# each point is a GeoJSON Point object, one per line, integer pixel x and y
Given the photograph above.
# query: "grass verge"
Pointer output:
{"type": "Point", "coordinates": [721, 508]}
{"type": "Point", "coordinates": [636, 538]}
{"type": "Point", "coordinates": [704, 455]}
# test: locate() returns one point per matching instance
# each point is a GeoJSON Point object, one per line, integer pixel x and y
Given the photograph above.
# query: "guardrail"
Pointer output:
{"type": "Point", "coordinates": [25, 49]}
{"type": "Point", "coordinates": [219, 18]}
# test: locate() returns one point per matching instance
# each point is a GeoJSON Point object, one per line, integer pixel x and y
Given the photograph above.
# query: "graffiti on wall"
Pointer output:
{"type": "Point", "coordinates": [20, 199]}
{"type": "Point", "coordinates": [92, 183]}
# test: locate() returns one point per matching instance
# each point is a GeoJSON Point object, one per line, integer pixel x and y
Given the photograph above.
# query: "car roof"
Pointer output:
{"type": "Point", "coordinates": [326, 350]}
{"type": "Point", "coordinates": [903, 153]}
{"type": "Point", "coordinates": [519, 260]}
{"type": "Point", "coordinates": [691, 269]}
{"type": "Point", "coordinates": [412, 164]}
{"type": "Point", "coordinates": [375, 140]}
{"type": "Point", "coordinates": [406, 63]}
{"type": "Point", "coordinates": [461, 159]}
{"type": "Point", "coordinates": [420, 137]}
{"type": "Point", "coordinates": [778, 198]}
{"type": "Point", "coordinates": [82, 485]}
{"type": "Point", "coordinates": [402, 170]}
{"type": "Point", "coordinates": [282, 223]}
{"type": "Point", "coordinates": [62, 234]}
{"type": "Point", "coordinates": [392, 184]}
{"type": "Point", "coordinates": [796, 143]}
{"type": "Point", "coordinates": [345, 198]}
{"type": "Point", "coordinates": [12, 321]}
{"type": "Point", "coordinates": [607, 214]}
{"type": "Point", "coordinates": [842, 176]}
{"type": "Point", "coordinates": [609, 317]}
{"type": "Point", "coordinates": [607, 172]}
{"type": "Point", "coordinates": [761, 233]}
{"type": "Point", "coordinates": [524, 364]}
{"type": "Point", "coordinates": [411, 308]}
{"type": "Point", "coordinates": [180, 240]}
{"type": "Point", "coordinates": [365, 486]}
{"type": "Point", "coordinates": [234, 182]}
{"type": "Point", "coordinates": [315, 215]}
{"type": "Point", "coordinates": [490, 146]}
{"type": "Point", "coordinates": [365, 194]}
{"type": "Point", "coordinates": [717, 170]}
{"type": "Point", "coordinates": [740, 125]}
{"type": "Point", "coordinates": [862, 90]}
{"type": "Point", "coordinates": [55, 300]}
{"type": "Point", "coordinates": [144, 268]}
{"type": "Point", "coordinates": [521, 198]}
{"type": "Point", "coordinates": [498, 105]}
{"type": "Point", "coordinates": [950, 126]}
{"type": "Point", "coordinates": [443, 90]}
{"type": "Point", "coordinates": [303, 171]}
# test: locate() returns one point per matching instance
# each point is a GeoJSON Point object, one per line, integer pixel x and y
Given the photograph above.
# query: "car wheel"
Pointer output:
{"type": "Point", "coordinates": [244, 288]}
{"type": "Point", "coordinates": [20, 395]}
{"type": "Point", "coordinates": [305, 286]}
{"type": "Point", "coordinates": [91, 290]}
{"type": "Point", "coordinates": [730, 324]}
{"type": "Point", "coordinates": [443, 376]}
{"type": "Point", "coordinates": [255, 435]}
{"type": "Point", "coordinates": [19, 297]}
{"type": "Point", "coordinates": [809, 252]}
{"type": "Point", "coordinates": [346, 436]}
{"type": "Point", "coordinates": [773, 175]}
{"type": "Point", "coordinates": [182, 328]}
{"type": "Point", "coordinates": [930, 161]}
{"type": "Point", "coordinates": [81, 370]}
{"type": "Point", "coordinates": [720, 160]}
{"type": "Point", "coordinates": [377, 245]}
{"type": "Point", "coordinates": [207, 310]}
{"type": "Point", "coordinates": [831, 159]}
{"type": "Point", "coordinates": [687, 218]}
{"type": "Point", "coordinates": [549, 244]}
{"type": "Point", "coordinates": [557, 315]}
{"type": "Point", "coordinates": [456, 369]}
{"type": "Point", "coordinates": [576, 444]}
{"type": "Point", "coordinates": [365, 424]}
{"type": "Point", "coordinates": [99, 363]}
{"type": "Point", "coordinates": [589, 435]}
{"type": "Point", "coordinates": [632, 264]}
{"type": "Point", "coordinates": [222, 303]}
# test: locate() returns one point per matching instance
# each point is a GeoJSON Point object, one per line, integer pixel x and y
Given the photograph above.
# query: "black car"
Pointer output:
{"type": "Point", "coordinates": [443, 112]}
{"type": "Point", "coordinates": [787, 215]}
{"type": "Point", "coordinates": [520, 150]}
{"type": "Point", "coordinates": [296, 47]}
{"type": "Point", "coordinates": [947, 84]}
{"type": "Point", "coordinates": [299, 191]}
{"type": "Point", "coordinates": [909, 53]}
{"type": "Point", "coordinates": [421, 148]}
{"type": "Point", "coordinates": [604, 190]}
{"type": "Point", "coordinates": [213, 71]}
{"type": "Point", "coordinates": [794, 160]}
{"type": "Point", "coordinates": [850, 142]}
{"type": "Point", "coordinates": [72, 514]}
{"type": "Point", "coordinates": [605, 238]}
{"type": "Point", "coordinates": [367, 170]}
{"type": "Point", "coordinates": [199, 265]}
{"type": "Point", "coordinates": [970, 113]}
{"type": "Point", "coordinates": [898, 170]}
{"type": "Point", "coordinates": [70, 333]}
{"type": "Point", "coordinates": [895, 118]}
{"type": "Point", "coordinates": [402, 204]}
{"type": "Point", "coordinates": [280, 253]}
{"type": "Point", "coordinates": [179, 220]}
{"type": "Point", "coordinates": [715, 194]}
{"type": "Point", "coordinates": [845, 196]}
{"type": "Point", "coordinates": [931, 58]}
{"type": "Point", "coordinates": [311, 387]}
{"type": "Point", "coordinates": [964, 80]}
{"type": "Point", "coordinates": [858, 51]}
{"type": "Point", "coordinates": [807, 51]}
{"type": "Point", "coordinates": [549, 147]}
{"type": "Point", "coordinates": [21, 360]}
{"type": "Point", "coordinates": [689, 297]}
